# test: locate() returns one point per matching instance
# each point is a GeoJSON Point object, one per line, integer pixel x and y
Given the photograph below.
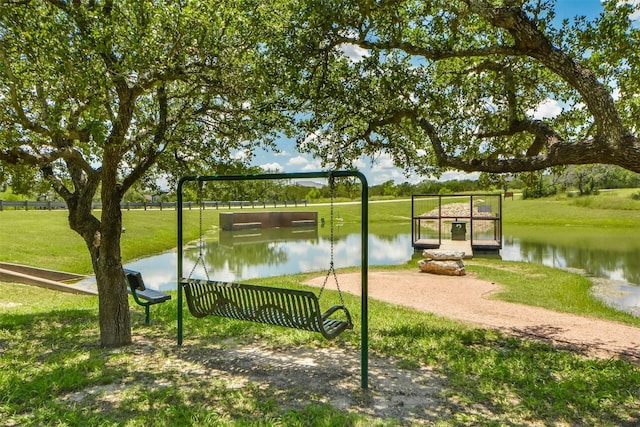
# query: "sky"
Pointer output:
{"type": "Point", "coordinates": [382, 169]}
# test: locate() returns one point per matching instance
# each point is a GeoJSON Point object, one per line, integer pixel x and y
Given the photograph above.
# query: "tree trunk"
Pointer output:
{"type": "Point", "coordinates": [115, 319]}
{"type": "Point", "coordinates": [102, 238]}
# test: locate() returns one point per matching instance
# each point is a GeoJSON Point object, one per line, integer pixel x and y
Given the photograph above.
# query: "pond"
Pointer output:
{"type": "Point", "coordinates": [263, 253]}
{"type": "Point", "coordinates": [610, 255]}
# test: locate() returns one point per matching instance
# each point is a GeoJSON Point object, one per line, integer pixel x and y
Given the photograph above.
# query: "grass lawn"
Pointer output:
{"type": "Point", "coordinates": [53, 372]}
{"type": "Point", "coordinates": [43, 238]}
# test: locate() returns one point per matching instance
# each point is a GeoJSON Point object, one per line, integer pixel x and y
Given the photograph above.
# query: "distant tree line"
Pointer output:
{"type": "Point", "coordinates": [581, 180]}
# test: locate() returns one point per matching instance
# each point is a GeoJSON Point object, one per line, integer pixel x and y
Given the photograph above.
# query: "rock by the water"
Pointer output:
{"type": "Point", "coordinates": [442, 255]}
{"type": "Point", "coordinates": [445, 268]}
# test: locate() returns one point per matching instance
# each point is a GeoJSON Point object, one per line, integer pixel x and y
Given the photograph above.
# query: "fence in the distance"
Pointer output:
{"type": "Point", "coordinates": [51, 205]}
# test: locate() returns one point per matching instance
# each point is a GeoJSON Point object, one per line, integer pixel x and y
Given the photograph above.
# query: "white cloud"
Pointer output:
{"type": "Point", "coordinates": [303, 164]}
{"type": "Point", "coordinates": [490, 105]}
{"type": "Point", "coordinates": [548, 108]}
{"type": "Point", "coordinates": [615, 93]}
{"type": "Point", "coordinates": [312, 166]}
{"type": "Point", "coordinates": [382, 163]}
{"type": "Point", "coordinates": [240, 155]}
{"type": "Point", "coordinates": [453, 175]}
{"type": "Point", "coordinates": [635, 15]}
{"type": "Point", "coordinates": [353, 52]}
{"type": "Point", "coordinates": [273, 167]}
{"type": "Point", "coordinates": [297, 161]}
{"type": "Point", "coordinates": [359, 163]}
{"type": "Point", "coordinates": [394, 175]}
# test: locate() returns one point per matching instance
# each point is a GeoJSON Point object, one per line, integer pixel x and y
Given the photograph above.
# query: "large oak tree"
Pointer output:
{"type": "Point", "coordinates": [96, 95]}
{"type": "Point", "coordinates": [459, 84]}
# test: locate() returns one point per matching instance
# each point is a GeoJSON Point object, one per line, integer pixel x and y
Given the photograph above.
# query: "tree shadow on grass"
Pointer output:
{"type": "Point", "coordinates": [550, 334]}
{"type": "Point", "coordinates": [496, 373]}
{"type": "Point", "coordinates": [46, 355]}
{"type": "Point", "coordinates": [228, 370]}
{"type": "Point", "coordinates": [297, 376]}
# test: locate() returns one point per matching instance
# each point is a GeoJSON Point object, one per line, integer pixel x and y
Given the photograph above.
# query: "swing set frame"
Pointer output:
{"type": "Point", "coordinates": [364, 360]}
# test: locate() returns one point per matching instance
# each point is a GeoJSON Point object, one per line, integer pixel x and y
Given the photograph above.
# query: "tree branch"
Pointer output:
{"type": "Point", "coordinates": [428, 53]}
{"type": "Point", "coordinates": [17, 155]}
{"type": "Point", "coordinates": [544, 135]}
{"type": "Point", "coordinates": [557, 153]}
{"type": "Point", "coordinates": [16, 101]}
{"type": "Point", "coordinates": [530, 41]}
{"type": "Point", "coordinates": [155, 149]}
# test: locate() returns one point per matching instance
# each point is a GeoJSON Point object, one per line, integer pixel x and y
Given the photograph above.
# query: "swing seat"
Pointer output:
{"type": "Point", "coordinates": [263, 304]}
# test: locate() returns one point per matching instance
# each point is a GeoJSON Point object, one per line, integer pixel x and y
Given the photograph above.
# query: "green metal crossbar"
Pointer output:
{"type": "Point", "coordinates": [263, 304]}
{"type": "Point", "coordinates": [271, 316]}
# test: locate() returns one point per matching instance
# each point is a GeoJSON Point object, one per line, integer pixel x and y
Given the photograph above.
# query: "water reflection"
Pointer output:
{"type": "Point", "coordinates": [251, 255]}
{"type": "Point", "coordinates": [628, 299]}
{"type": "Point", "coordinates": [607, 254]}
{"type": "Point", "coordinates": [236, 256]}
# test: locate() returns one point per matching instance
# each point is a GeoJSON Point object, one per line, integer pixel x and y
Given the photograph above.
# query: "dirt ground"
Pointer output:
{"type": "Point", "coordinates": [299, 376]}
{"type": "Point", "coordinates": [467, 299]}
{"type": "Point", "coordinates": [333, 376]}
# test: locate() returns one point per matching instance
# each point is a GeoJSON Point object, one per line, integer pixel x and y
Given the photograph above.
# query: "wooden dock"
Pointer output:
{"type": "Point", "coordinates": [235, 221]}
{"type": "Point", "coordinates": [469, 223]}
{"type": "Point", "coordinates": [446, 245]}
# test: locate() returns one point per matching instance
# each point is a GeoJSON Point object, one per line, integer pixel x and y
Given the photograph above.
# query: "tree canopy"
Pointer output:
{"type": "Point", "coordinates": [96, 95]}
{"type": "Point", "coordinates": [456, 84]}
{"type": "Point", "coordinates": [87, 82]}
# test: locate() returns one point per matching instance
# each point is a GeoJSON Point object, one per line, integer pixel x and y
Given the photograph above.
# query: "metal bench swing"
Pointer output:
{"type": "Point", "coordinates": [265, 304]}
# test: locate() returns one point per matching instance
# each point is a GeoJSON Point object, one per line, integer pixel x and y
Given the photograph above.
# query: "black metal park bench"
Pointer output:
{"type": "Point", "coordinates": [143, 296]}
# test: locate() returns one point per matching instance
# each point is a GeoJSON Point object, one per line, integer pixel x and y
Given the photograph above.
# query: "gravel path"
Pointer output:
{"type": "Point", "coordinates": [468, 299]}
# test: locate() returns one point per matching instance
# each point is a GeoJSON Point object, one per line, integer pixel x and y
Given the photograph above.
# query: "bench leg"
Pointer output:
{"type": "Point", "coordinates": [147, 315]}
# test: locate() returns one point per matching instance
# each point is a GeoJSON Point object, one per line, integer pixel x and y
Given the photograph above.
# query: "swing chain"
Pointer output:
{"type": "Point", "coordinates": [200, 238]}
{"type": "Point", "coordinates": [332, 270]}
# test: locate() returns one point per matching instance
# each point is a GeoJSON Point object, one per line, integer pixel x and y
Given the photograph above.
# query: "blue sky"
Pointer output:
{"type": "Point", "coordinates": [382, 169]}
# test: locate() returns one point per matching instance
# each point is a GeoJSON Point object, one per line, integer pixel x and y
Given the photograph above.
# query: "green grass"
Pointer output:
{"type": "Point", "coordinates": [541, 286]}
{"type": "Point", "coordinates": [607, 209]}
{"type": "Point", "coordinates": [49, 354]}
{"type": "Point", "coordinates": [153, 231]}
{"type": "Point", "coordinates": [54, 374]}
{"type": "Point", "coordinates": [611, 209]}
{"type": "Point", "coordinates": [43, 238]}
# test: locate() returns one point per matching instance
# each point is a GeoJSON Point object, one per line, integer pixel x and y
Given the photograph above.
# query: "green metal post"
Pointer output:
{"type": "Point", "coordinates": [180, 245]}
{"type": "Point", "coordinates": [364, 346]}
